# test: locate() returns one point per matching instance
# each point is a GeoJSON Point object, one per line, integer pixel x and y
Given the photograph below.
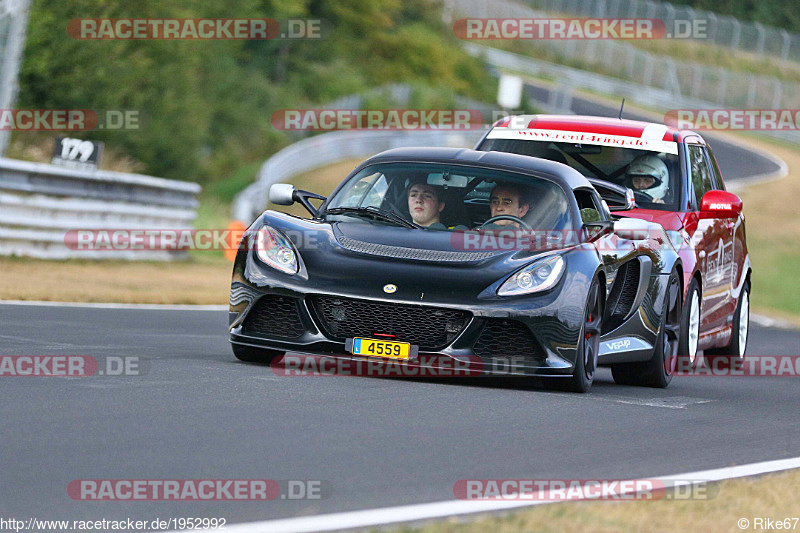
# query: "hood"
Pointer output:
{"type": "Point", "coordinates": [355, 258]}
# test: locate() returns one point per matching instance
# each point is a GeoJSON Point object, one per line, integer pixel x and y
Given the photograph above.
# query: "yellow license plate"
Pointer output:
{"type": "Point", "coordinates": [376, 348]}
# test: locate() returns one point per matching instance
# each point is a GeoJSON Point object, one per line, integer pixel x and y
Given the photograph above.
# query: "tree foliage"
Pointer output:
{"type": "Point", "coordinates": [206, 105]}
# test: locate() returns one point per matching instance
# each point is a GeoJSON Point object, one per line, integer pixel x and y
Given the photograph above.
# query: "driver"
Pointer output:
{"type": "Point", "coordinates": [507, 199]}
{"type": "Point", "coordinates": [425, 205]}
{"type": "Point", "coordinates": [648, 174]}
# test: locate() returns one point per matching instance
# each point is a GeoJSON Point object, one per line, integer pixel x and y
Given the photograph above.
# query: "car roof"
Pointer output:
{"type": "Point", "coordinates": [570, 177]}
{"type": "Point", "coordinates": [593, 124]}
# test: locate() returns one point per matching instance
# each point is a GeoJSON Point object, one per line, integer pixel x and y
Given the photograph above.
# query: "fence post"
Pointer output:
{"type": "Point", "coordinates": [777, 94]}
{"type": "Point", "coordinates": [736, 32]}
{"type": "Point", "coordinates": [787, 40]}
{"type": "Point", "coordinates": [723, 87]}
{"type": "Point", "coordinates": [11, 57]}
{"type": "Point", "coordinates": [760, 39]}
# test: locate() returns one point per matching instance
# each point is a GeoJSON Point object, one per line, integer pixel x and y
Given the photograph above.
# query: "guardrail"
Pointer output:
{"type": "Point", "coordinates": [569, 78]}
{"type": "Point", "coordinates": [329, 148]}
{"type": "Point", "coordinates": [40, 203]}
{"type": "Point", "coordinates": [675, 82]}
{"type": "Point", "coordinates": [721, 30]}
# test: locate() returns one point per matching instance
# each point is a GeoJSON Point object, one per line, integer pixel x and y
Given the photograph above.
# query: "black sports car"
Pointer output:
{"type": "Point", "coordinates": [506, 261]}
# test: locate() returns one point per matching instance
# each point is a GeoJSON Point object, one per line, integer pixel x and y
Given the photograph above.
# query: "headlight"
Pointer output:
{"type": "Point", "coordinates": [538, 276]}
{"type": "Point", "coordinates": [275, 250]}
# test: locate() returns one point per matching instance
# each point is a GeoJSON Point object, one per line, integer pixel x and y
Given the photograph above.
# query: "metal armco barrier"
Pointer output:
{"type": "Point", "coordinates": [329, 148]}
{"type": "Point", "coordinates": [40, 203]}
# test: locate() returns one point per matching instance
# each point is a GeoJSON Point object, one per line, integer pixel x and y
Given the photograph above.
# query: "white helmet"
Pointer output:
{"type": "Point", "coordinates": [651, 166]}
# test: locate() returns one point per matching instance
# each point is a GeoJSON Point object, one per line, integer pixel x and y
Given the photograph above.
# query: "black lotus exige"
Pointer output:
{"type": "Point", "coordinates": [432, 254]}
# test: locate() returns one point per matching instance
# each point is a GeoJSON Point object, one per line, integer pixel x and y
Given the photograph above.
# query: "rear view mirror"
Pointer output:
{"type": "Point", "coordinates": [720, 204]}
{"type": "Point", "coordinates": [448, 180]}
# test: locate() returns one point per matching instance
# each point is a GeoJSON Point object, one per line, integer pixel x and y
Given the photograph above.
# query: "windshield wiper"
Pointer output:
{"type": "Point", "coordinates": [373, 212]}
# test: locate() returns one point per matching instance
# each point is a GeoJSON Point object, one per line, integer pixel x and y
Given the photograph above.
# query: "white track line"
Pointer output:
{"type": "Point", "coordinates": [427, 511]}
{"type": "Point", "coordinates": [148, 307]}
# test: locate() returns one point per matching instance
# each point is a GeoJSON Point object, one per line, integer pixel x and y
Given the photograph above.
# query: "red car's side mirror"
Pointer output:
{"type": "Point", "coordinates": [720, 204]}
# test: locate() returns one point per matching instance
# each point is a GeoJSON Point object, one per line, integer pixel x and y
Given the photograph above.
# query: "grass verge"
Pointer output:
{"type": "Point", "coordinates": [770, 496]}
{"type": "Point", "coordinates": [203, 279]}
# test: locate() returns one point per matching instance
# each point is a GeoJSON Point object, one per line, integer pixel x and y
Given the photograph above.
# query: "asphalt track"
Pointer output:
{"type": "Point", "coordinates": [199, 414]}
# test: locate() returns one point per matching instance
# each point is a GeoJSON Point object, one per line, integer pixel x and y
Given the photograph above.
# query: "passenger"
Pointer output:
{"type": "Point", "coordinates": [425, 206]}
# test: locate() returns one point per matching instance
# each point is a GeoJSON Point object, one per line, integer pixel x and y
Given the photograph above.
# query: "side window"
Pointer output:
{"type": "Point", "coordinates": [715, 173]}
{"type": "Point", "coordinates": [701, 176]}
{"type": "Point", "coordinates": [590, 210]}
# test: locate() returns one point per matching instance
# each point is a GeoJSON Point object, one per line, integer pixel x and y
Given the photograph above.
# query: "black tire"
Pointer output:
{"type": "Point", "coordinates": [588, 346]}
{"type": "Point", "coordinates": [657, 372]}
{"type": "Point", "coordinates": [690, 327]}
{"type": "Point", "coordinates": [249, 354]}
{"type": "Point", "coordinates": [736, 348]}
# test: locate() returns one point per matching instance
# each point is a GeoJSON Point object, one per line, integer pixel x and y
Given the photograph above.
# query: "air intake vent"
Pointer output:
{"type": "Point", "coordinates": [431, 328]}
{"type": "Point", "coordinates": [274, 316]}
{"type": "Point", "coordinates": [623, 294]}
{"type": "Point", "coordinates": [508, 338]}
{"type": "Point", "coordinates": [401, 252]}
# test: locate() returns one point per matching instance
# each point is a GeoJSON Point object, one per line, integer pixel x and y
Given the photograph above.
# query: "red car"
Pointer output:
{"type": "Point", "coordinates": [676, 182]}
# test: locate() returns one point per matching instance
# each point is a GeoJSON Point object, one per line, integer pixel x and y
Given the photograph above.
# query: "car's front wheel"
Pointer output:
{"type": "Point", "coordinates": [657, 372]}
{"type": "Point", "coordinates": [249, 354]}
{"type": "Point", "coordinates": [588, 346]}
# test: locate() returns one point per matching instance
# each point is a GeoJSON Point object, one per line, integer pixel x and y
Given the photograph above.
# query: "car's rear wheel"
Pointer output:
{"type": "Point", "coordinates": [588, 345]}
{"type": "Point", "coordinates": [657, 372]}
{"type": "Point", "coordinates": [735, 350]}
{"type": "Point", "coordinates": [690, 326]}
{"type": "Point", "coordinates": [249, 354]}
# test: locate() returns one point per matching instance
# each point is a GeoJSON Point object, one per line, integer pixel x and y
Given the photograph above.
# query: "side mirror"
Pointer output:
{"type": "Point", "coordinates": [630, 201]}
{"type": "Point", "coordinates": [286, 194]}
{"type": "Point", "coordinates": [632, 229]}
{"type": "Point", "coordinates": [720, 204]}
{"type": "Point", "coordinates": [282, 194]}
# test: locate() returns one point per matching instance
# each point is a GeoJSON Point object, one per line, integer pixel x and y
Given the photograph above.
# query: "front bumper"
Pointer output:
{"type": "Point", "coordinates": [500, 339]}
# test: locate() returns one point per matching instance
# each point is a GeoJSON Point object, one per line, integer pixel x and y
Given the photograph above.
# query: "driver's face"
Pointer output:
{"type": "Point", "coordinates": [505, 201]}
{"type": "Point", "coordinates": [643, 182]}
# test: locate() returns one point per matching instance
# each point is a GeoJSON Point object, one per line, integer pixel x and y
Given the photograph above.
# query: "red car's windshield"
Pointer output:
{"type": "Point", "coordinates": [653, 176]}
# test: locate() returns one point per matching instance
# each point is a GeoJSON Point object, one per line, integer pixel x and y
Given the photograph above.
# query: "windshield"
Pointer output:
{"type": "Point", "coordinates": [449, 197]}
{"type": "Point", "coordinates": [653, 176]}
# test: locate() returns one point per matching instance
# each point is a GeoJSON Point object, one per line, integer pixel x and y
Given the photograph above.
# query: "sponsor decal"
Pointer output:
{"type": "Point", "coordinates": [601, 139]}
